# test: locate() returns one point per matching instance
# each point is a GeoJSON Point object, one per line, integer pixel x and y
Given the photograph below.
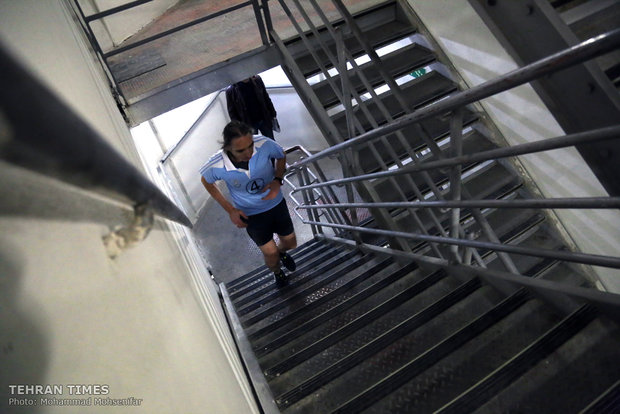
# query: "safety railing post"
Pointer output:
{"type": "Point", "coordinates": [309, 200]}
{"type": "Point", "coordinates": [456, 146]}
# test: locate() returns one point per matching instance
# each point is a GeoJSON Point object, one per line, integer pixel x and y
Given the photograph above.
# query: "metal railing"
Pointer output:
{"type": "Point", "coordinates": [451, 163]}
{"type": "Point", "coordinates": [260, 8]}
{"type": "Point", "coordinates": [325, 196]}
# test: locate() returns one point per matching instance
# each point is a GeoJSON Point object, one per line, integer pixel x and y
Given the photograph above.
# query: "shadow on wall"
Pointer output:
{"type": "Point", "coordinates": [24, 350]}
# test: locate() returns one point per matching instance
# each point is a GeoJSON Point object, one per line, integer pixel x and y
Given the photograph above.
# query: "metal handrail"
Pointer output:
{"type": "Point", "coordinates": [565, 141]}
{"type": "Point", "coordinates": [575, 257]}
{"type": "Point", "coordinates": [46, 136]}
{"type": "Point", "coordinates": [544, 286]}
{"type": "Point", "coordinates": [451, 167]}
{"type": "Point", "coordinates": [579, 53]}
{"type": "Point", "coordinates": [560, 203]}
{"type": "Point", "coordinates": [115, 10]}
{"type": "Point", "coordinates": [320, 175]}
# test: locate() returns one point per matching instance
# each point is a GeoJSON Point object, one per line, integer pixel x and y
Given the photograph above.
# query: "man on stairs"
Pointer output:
{"type": "Point", "coordinates": [253, 169]}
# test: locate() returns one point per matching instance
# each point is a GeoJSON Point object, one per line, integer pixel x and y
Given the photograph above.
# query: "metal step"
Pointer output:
{"type": "Point", "coordinates": [382, 337]}
{"type": "Point", "coordinates": [400, 62]}
{"type": "Point", "coordinates": [437, 130]}
{"type": "Point", "coordinates": [365, 348]}
{"type": "Point", "coordinates": [233, 285]}
{"type": "Point", "coordinates": [381, 25]}
{"type": "Point", "coordinates": [423, 90]}
{"type": "Point", "coordinates": [591, 18]}
{"type": "Point", "coordinates": [367, 279]}
{"type": "Point", "coordinates": [478, 179]}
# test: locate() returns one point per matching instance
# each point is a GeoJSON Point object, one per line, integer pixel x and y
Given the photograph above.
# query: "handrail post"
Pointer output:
{"type": "Point", "coordinates": [456, 145]}
{"type": "Point", "coordinates": [308, 199]}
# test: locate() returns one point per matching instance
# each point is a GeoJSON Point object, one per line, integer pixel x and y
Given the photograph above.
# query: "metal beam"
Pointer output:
{"type": "Point", "coordinates": [115, 10]}
{"type": "Point", "coordinates": [196, 85]}
{"type": "Point", "coordinates": [580, 98]}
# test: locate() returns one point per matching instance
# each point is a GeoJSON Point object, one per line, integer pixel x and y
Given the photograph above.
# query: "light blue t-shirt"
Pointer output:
{"type": "Point", "coordinates": [246, 186]}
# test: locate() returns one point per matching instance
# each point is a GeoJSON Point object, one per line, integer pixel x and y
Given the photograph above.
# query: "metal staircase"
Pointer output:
{"type": "Point", "coordinates": [458, 293]}
{"type": "Point", "coordinates": [358, 332]}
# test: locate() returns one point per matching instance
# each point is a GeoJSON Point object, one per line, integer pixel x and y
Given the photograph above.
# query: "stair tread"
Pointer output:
{"type": "Point", "coordinates": [303, 306]}
{"type": "Point", "coordinates": [473, 361]}
{"type": "Point", "coordinates": [382, 353]}
{"type": "Point", "coordinates": [262, 283]}
{"type": "Point", "coordinates": [418, 92]}
{"type": "Point", "coordinates": [568, 379]}
{"type": "Point", "coordinates": [376, 36]}
{"type": "Point", "coordinates": [275, 299]}
{"type": "Point", "coordinates": [396, 63]}
{"type": "Point", "coordinates": [279, 336]}
{"type": "Point", "coordinates": [365, 312]}
{"type": "Point", "coordinates": [298, 251]}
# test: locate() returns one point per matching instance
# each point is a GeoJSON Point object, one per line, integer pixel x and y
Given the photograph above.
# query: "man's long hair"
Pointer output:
{"type": "Point", "coordinates": [235, 129]}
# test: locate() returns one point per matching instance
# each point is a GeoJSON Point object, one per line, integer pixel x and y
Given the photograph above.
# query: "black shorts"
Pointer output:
{"type": "Point", "coordinates": [262, 226]}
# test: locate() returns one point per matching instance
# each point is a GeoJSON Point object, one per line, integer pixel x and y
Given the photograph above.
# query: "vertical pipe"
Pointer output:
{"type": "Point", "coordinates": [307, 196]}
{"type": "Point", "coordinates": [456, 146]}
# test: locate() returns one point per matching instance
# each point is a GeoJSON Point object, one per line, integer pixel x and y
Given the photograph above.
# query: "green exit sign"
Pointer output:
{"type": "Point", "coordinates": [417, 73]}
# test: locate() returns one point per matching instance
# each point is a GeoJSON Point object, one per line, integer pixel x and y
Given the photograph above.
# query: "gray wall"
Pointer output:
{"type": "Point", "coordinates": [148, 324]}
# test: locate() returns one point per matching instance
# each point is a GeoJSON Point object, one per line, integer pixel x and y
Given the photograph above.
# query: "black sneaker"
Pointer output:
{"type": "Point", "coordinates": [280, 277]}
{"type": "Point", "coordinates": [288, 261]}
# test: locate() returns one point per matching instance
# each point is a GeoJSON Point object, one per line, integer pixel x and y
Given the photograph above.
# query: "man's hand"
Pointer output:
{"type": "Point", "coordinates": [274, 189]}
{"type": "Point", "coordinates": [235, 217]}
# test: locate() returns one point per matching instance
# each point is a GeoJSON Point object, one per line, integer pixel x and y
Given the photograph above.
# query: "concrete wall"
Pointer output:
{"type": "Point", "coordinates": [146, 325]}
{"type": "Point", "coordinates": [521, 117]}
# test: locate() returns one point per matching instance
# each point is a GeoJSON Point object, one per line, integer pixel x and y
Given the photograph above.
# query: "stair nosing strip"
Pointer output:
{"type": "Point", "coordinates": [343, 365]}
{"type": "Point", "coordinates": [353, 326]}
{"type": "Point", "coordinates": [323, 299]}
{"type": "Point", "coordinates": [301, 276]}
{"type": "Point", "coordinates": [319, 319]}
{"type": "Point", "coordinates": [601, 404]}
{"type": "Point", "coordinates": [503, 376]}
{"type": "Point", "coordinates": [431, 356]}
{"type": "Point", "coordinates": [240, 299]}
{"type": "Point", "coordinates": [230, 286]}
{"type": "Point", "coordinates": [279, 305]}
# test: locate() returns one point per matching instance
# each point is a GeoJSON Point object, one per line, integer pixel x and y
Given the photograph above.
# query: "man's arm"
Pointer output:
{"type": "Point", "coordinates": [274, 186]}
{"type": "Point", "coordinates": [234, 213]}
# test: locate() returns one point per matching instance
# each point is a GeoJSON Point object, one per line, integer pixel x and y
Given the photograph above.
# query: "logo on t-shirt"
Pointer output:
{"type": "Point", "coordinates": [255, 186]}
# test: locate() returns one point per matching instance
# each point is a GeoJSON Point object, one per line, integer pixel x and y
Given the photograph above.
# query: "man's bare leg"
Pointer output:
{"type": "Point", "coordinates": [271, 255]}
{"type": "Point", "coordinates": [287, 242]}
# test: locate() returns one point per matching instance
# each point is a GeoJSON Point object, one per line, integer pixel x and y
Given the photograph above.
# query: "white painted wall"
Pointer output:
{"type": "Point", "coordinates": [521, 117]}
{"type": "Point", "coordinates": [147, 324]}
